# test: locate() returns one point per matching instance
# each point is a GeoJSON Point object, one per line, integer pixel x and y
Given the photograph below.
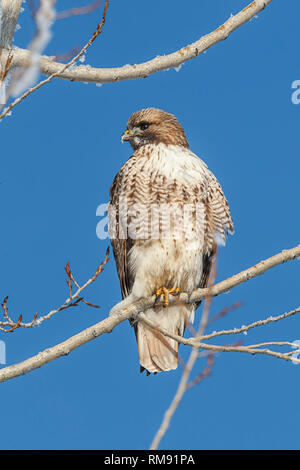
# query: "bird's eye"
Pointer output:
{"type": "Point", "coordinates": [144, 125]}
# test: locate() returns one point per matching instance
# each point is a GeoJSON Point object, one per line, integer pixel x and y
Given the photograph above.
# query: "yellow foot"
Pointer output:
{"type": "Point", "coordinates": [165, 293]}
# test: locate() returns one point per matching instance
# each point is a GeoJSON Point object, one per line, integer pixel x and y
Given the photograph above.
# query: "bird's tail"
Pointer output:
{"type": "Point", "coordinates": [158, 352]}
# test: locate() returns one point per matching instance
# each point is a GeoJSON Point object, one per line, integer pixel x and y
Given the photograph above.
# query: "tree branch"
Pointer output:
{"type": "Point", "coordinates": [96, 33]}
{"type": "Point", "coordinates": [109, 323]}
{"type": "Point", "coordinates": [10, 10]}
{"type": "Point", "coordinates": [83, 73]}
{"type": "Point", "coordinates": [246, 328]}
{"type": "Point", "coordinates": [78, 10]}
{"type": "Point", "coordinates": [44, 19]}
{"type": "Point", "coordinates": [252, 348]}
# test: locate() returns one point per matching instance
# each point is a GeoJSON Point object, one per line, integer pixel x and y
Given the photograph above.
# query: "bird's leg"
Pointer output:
{"type": "Point", "coordinates": [121, 305]}
{"type": "Point", "coordinates": [165, 293]}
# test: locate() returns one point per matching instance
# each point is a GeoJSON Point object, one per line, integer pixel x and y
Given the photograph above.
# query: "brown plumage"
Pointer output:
{"type": "Point", "coordinates": [164, 128]}
{"type": "Point", "coordinates": [163, 185]}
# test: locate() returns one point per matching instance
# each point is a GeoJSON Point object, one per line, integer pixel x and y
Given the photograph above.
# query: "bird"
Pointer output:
{"type": "Point", "coordinates": [167, 213]}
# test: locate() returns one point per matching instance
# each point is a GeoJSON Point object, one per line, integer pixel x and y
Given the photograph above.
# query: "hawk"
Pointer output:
{"type": "Point", "coordinates": [167, 212]}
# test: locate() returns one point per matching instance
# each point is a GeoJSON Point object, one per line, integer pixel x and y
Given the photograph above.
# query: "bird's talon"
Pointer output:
{"type": "Point", "coordinates": [176, 291]}
{"type": "Point", "coordinates": [165, 293]}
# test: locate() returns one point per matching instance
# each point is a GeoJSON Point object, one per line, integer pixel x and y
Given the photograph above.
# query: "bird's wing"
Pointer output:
{"type": "Point", "coordinates": [218, 223]}
{"type": "Point", "coordinates": [121, 246]}
{"type": "Point", "coordinates": [219, 207]}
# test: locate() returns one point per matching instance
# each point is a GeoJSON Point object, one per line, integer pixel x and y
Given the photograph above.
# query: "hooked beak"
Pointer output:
{"type": "Point", "coordinates": [130, 134]}
{"type": "Point", "coordinates": [125, 136]}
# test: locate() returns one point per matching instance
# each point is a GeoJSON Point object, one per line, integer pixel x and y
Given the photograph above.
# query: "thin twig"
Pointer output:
{"type": "Point", "coordinates": [202, 375]}
{"type": "Point", "coordinates": [224, 312]}
{"type": "Point", "coordinates": [78, 10]}
{"type": "Point", "coordinates": [246, 328]}
{"type": "Point", "coordinates": [72, 301]}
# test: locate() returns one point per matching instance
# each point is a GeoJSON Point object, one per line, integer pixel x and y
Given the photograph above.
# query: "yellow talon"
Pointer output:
{"type": "Point", "coordinates": [165, 292]}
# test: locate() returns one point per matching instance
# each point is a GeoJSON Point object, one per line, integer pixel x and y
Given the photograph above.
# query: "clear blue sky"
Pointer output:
{"type": "Point", "coordinates": [60, 150]}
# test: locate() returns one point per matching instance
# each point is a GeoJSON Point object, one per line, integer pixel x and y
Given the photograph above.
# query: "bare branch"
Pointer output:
{"type": "Point", "coordinates": [78, 10]}
{"type": "Point", "coordinates": [226, 285]}
{"type": "Point", "coordinates": [129, 72]}
{"type": "Point", "coordinates": [44, 19]}
{"type": "Point", "coordinates": [252, 349]}
{"type": "Point", "coordinates": [246, 328]}
{"type": "Point", "coordinates": [202, 375]}
{"type": "Point", "coordinates": [131, 311]}
{"type": "Point", "coordinates": [96, 33]}
{"type": "Point", "coordinates": [225, 311]}
{"type": "Point", "coordinates": [9, 13]}
{"type": "Point", "coordinates": [10, 10]}
{"type": "Point", "coordinates": [67, 56]}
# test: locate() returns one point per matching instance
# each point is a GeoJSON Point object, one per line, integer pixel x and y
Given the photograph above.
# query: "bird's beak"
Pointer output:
{"type": "Point", "coordinates": [125, 136]}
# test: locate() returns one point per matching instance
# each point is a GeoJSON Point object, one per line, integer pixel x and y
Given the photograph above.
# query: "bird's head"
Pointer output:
{"type": "Point", "coordinates": [153, 126]}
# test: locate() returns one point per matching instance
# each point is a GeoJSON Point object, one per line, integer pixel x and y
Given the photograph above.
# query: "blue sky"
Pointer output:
{"type": "Point", "coordinates": [60, 150]}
